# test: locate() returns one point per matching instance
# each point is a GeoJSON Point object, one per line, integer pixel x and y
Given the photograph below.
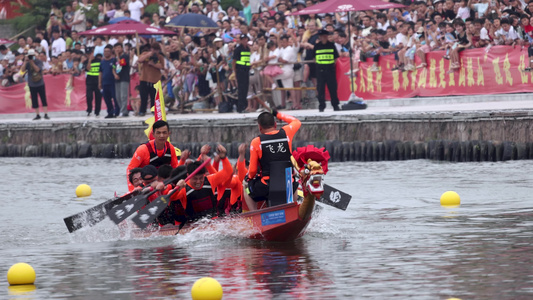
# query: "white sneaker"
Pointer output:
{"type": "Point", "coordinates": [374, 69]}
{"type": "Point", "coordinates": [274, 86]}
{"type": "Point", "coordinates": [250, 96]}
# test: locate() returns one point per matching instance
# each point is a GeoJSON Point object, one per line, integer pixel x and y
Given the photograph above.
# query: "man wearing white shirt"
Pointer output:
{"type": "Point", "coordinates": [79, 20]}
{"type": "Point", "coordinates": [286, 55]}
{"type": "Point", "coordinates": [58, 45]}
{"type": "Point", "coordinates": [136, 8]}
{"type": "Point", "coordinates": [506, 33]}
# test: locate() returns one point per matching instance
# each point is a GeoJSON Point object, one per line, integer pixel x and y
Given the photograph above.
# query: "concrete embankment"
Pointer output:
{"type": "Point", "coordinates": [452, 129]}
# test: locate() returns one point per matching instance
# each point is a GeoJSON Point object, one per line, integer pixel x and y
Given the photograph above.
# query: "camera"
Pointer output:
{"type": "Point", "coordinates": [31, 57]}
{"type": "Point", "coordinates": [154, 58]}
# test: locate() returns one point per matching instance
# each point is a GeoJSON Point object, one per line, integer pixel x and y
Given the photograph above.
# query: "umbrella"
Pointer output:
{"type": "Point", "coordinates": [127, 28]}
{"type": "Point", "coordinates": [120, 19]}
{"type": "Point", "coordinates": [6, 41]}
{"type": "Point", "coordinates": [347, 6]}
{"type": "Point", "coordinates": [192, 20]}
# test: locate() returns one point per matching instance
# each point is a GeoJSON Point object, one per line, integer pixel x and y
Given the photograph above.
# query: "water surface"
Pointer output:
{"type": "Point", "coordinates": [394, 241]}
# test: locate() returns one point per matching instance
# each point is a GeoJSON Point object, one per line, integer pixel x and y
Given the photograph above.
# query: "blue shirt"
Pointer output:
{"type": "Point", "coordinates": [106, 68]}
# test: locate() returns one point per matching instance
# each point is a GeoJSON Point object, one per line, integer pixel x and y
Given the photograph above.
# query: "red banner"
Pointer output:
{"type": "Point", "coordinates": [62, 94]}
{"type": "Point", "coordinates": [497, 72]}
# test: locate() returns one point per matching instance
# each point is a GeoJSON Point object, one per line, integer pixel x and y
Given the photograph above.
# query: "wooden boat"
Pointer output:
{"type": "Point", "coordinates": [281, 223]}
{"type": "Point", "coordinates": [284, 219]}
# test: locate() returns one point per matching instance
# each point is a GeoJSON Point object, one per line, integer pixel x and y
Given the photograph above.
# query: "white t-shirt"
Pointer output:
{"type": "Point", "coordinates": [484, 34]}
{"type": "Point", "coordinates": [44, 44]}
{"type": "Point", "coordinates": [135, 10]}
{"type": "Point", "coordinates": [463, 13]}
{"type": "Point", "coordinates": [507, 35]}
{"type": "Point", "coordinates": [401, 39]}
{"type": "Point", "coordinates": [275, 53]}
{"type": "Point", "coordinates": [58, 46]}
{"type": "Point", "coordinates": [255, 57]}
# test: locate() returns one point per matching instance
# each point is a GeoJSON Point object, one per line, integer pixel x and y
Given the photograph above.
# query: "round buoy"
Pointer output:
{"type": "Point", "coordinates": [450, 198]}
{"type": "Point", "coordinates": [21, 273]}
{"type": "Point", "coordinates": [83, 190]}
{"type": "Point", "coordinates": [206, 288]}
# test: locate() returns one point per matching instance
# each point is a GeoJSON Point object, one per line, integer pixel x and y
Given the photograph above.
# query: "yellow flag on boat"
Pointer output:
{"type": "Point", "coordinates": [159, 113]}
{"type": "Point", "coordinates": [158, 109]}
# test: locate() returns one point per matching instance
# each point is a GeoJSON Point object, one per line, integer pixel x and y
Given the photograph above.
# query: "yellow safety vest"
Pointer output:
{"type": "Point", "coordinates": [245, 59]}
{"type": "Point", "coordinates": [325, 57]}
{"type": "Point", "coordinates": [95, 69]}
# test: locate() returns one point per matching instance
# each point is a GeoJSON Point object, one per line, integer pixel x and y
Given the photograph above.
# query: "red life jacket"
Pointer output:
{"type": "Point", "coordinates": [158, 161]}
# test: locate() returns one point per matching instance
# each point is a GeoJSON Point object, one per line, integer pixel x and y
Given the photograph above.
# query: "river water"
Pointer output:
{"type": "Point", "coordinates": [394, 241]}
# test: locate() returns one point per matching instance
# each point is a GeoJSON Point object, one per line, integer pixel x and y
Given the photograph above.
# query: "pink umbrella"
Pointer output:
{"type": "Point", "coordinates": [127, 28]}
{"type": "Point", "coordinates": [347, 6]}
{"type": "Point", "coordinates": [6, 41]}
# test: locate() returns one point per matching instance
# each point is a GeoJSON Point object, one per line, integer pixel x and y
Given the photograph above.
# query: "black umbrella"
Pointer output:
{"type": "Point", "coordinates": [192, 20]}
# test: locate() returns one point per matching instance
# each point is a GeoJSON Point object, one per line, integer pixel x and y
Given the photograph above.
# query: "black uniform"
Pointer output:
{"type": "Point", "coordinates": [91, 83]}
{"type": "Point", "coordinates": [325, 56]}
{"type": "Point", "coordinates": [241, 56]}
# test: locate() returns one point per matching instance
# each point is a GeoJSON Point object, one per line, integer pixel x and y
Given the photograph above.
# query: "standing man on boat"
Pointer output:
{"type": "Point", "coordinates": [271, 145]}
{"type": "Point", "coordinates": [156, 152]}
{"type": "Point", "coordinates": [325, 56]}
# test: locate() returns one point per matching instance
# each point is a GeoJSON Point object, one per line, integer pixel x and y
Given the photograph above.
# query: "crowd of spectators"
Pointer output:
{"type": "Point", "coordinates": [198, 62]}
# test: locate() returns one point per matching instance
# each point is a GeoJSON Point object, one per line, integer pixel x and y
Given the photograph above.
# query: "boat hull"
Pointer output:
{"type": "Point", "coordinates": [280, 223]}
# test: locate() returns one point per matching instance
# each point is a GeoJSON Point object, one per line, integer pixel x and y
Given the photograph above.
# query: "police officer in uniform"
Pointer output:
{"type": "Point", "coordinates": [91, 82]}
{"type": "Point", "coordinates": [325, 54]}
{"type": "Point", "coordinates": [241, 67]}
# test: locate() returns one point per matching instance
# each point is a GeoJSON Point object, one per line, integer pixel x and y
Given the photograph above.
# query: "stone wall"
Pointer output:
{"type": "Point", "coordinates": [365, 134]}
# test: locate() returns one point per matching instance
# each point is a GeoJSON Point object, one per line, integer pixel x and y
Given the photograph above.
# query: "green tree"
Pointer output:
{"type": "Point", "coordinates": [38, 13]}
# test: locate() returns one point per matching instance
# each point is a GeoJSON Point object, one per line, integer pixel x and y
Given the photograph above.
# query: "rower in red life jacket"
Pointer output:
{"type": "Point", "coordinates": [271, 145]}
{"type": "Point", "coordinates": [198, 195]}
{"type": "Point", "coordinates": [156, 152]}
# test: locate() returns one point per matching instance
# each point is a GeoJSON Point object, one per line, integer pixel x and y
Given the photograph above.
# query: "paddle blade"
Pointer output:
{"type": "Point", "coordinates": [335, 198]}
{"type": "Point", "coordinates": [120, 212]}
{"type": "Point", "coordinates": [88, 217]}
{"type": "Point", "coordinates": [151, 211]}
{"type": "Point", "coordinates": [93, 215]}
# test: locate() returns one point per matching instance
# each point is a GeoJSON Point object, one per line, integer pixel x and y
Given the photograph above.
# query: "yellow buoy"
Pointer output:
{"type": "Point", "coordinates": [83, 190]}
{"type": "Point", "coordinates": [23, 289]}
{"type": "Point", "coordinates": [206, 288]}
{"type": "Point", "coordinates": [21, 273]}
{"type": "Point", "coordinates": [450, 198]}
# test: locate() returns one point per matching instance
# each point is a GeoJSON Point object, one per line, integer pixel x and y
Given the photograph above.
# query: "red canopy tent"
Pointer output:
{"type": "Point", "coordinates": [128, 27]}
{"type": "Point", "coordinates": [347, 6]}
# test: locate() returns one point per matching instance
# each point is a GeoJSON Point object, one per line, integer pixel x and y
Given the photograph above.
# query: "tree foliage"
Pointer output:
{"type": "Point", "coordinates": [38, 13]}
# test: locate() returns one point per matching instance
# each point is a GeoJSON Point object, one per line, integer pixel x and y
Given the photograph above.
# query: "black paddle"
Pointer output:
{"type": "Point", "coordinates": [335, 198]}
{"type": "Point", "coordinates": [120, 212]}
{"type": "Point", "coordinates": [156, 207]}
{"type": "Point", "coordinates": [94, 214]}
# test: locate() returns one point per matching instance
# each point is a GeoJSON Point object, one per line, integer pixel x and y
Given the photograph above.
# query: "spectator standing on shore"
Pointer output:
{"type": "Point", "coordinates": [58, 45]}
{"type": "Point", "coordinates": [91, 82]}
{"type": "Point", "coordinates": [325, 54]}
{"type": "Point", "coordinates": [121, 73]}
{"type": "Point", "coordinates": [241, 67]}
{"type": "Point", "coordinates": [78, 23]}
{"type": "Point", "coordinates": [35, 82]}
{"type": "Point", "coordinates": [106, 82]}
{"type": "Point", "coordinates": [151, 63]}
{"type": "Point", "coordinates": [136, 8]}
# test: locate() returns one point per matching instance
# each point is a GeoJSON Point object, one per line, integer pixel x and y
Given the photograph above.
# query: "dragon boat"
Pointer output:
{"type": "Point", "coordinates": [285, 219]}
